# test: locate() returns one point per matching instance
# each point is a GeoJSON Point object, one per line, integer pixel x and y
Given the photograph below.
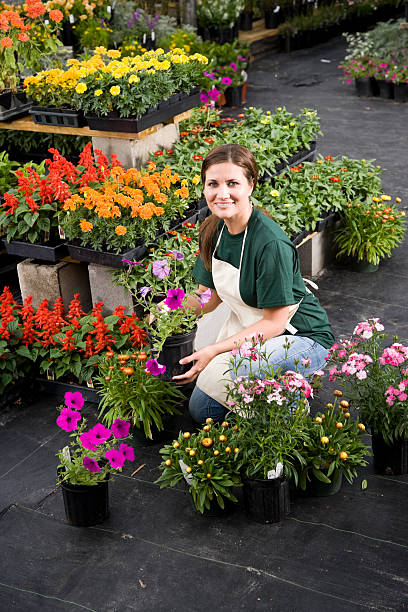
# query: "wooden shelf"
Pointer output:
{"type": "Point", "coordinates": [26, 124]}
{"type": "Point", "coordinates": [258, 32]}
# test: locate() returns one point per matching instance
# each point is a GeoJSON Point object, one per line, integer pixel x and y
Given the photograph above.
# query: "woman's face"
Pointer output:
{"type": "Point", "coordinates": [227, 191]}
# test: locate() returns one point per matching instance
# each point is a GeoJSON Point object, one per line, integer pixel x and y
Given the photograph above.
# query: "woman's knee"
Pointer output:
{"type": "Point", "coordinates": [202, 406]}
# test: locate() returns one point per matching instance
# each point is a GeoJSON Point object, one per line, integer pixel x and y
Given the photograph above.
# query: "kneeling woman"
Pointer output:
{"type": "Point", "coordinates": [251, 265]}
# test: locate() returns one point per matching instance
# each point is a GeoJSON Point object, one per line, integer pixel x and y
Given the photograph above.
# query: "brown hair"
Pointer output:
{"type": "Point", "coordinates": [228, 153]}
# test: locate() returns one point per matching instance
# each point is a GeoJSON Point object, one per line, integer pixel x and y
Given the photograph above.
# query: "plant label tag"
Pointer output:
{"type": "Point", "coordinates": [61, 233]}
{"type": "Point", "coordinates": [71, 19]}
{"type": "Point", "coordinates": [90, 384]}
{"type": "Point", "coordinates": [109, 9]}
{"type": "Point", "coordinates": [277, 9]}
{"type": "Point", "coordinates": [46, 22]}
{"type": "Point", "coordinates": [50, 375]}
{"type": "Point", "coordinates": [66, 454]}
{"type": "Point", "coordinates": [188, 477]}
{"type": "Point", "coordinates": [46, 236]}
{"type": "Point", "coordinates": [276, 473]}
{"type": "Point", "coordinates": [144, 38]}
{"type": "Point", "coordinates": [153, 35]}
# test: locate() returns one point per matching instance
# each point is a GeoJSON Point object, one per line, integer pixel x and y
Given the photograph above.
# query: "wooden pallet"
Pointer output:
{"type": "Point", "coordinates": [26, 124]}
{"type": "Point", "coordinates": [258, 32]}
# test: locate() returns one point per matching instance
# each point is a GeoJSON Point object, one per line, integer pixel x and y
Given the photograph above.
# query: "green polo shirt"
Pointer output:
{"type": "Point", "coordinates": [270, 274]}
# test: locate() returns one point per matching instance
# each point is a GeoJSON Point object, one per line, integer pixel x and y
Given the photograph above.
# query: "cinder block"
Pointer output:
{"type": "Point", "coordinates": [316, 252]}
{"type": "Point", "coordinates": [103, 290]}
{"type": "Point", "coordinates": [64, 279]}
{"type": "Point", "coordinates": [135, 153]}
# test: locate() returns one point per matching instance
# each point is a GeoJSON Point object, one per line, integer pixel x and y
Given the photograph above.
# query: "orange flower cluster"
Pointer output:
{"type": "Point", "coordinates": [11, 20]}
{"type": "Point", "coordinates": [124, 192]}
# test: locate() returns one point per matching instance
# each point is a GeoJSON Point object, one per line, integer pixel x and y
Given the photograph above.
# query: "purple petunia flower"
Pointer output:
{"type": "Point", "coordinates": [203, 98]}
{"type": "Point", "coordinates": [91, 464]}
{"type": "Point", "coordinates": [155, 368]}
{"type": "Point", "coordinates": [144, 291]}
{"type": "Point", "coordinates": [74, 400]}
{"type": "Point", "coordinates": [204, 297]}
{"type": "Point", "coordinates": [116, 459]}
{"type": "Point", "coordinates": [177, 254]}
{"type": "Point", "coordinates": [233, 66]}
{"type": "Point", "coordinates": [120, 428]}
{"type": "Point", "coordinates": [132, 263]}
{"type": "Point", "coordinates": [226, 80]}
{"type": "Point", "coordinates": [127, 451]}
{"type": "Point", "coordinates": [160, 268]}
{"type": "Point", "coordinates": [213, 94]}
{"type": "Point", "coordinates": [68, 419]}
{"type": "Point", "coordinates": [86, 441]}
{"type": "Point", "coordinates": [241, 59]}
{"type": "Point", "coordinates": [99, 434]}
{"type": "Point", "coordinates": [174, 298]}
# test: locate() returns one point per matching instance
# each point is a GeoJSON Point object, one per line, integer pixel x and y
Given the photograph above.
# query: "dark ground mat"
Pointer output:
{"type": "Point", "coordinates": [344, 553]}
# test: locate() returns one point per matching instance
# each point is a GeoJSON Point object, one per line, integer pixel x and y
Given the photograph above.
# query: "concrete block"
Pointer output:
{"type": "Point", "coordinates": [103, 290]}
{"type": "Point", "coordinates": [135, 153]}
{"type": "Point", "coordinates": [316, 252]}
{"type": "Point", "coordinates": [209, 326]}
{"type": "Point", "coordinates": [64, 279]}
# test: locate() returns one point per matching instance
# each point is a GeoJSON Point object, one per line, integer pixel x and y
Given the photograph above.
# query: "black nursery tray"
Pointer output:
{"type": "Point", "coordinates": [105, 258]}
{"type": "Point", "coordinates": [301, 156]}
{"type": "Point", "coordinates": [50, 115]}
{"type": "Point", "coordinates": [45, 252]}
{"type": "Point", "coordinates": [59, 388]}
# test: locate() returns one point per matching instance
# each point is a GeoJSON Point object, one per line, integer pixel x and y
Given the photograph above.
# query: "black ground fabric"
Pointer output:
{"type": "Point", "coordinates": [345, 553]}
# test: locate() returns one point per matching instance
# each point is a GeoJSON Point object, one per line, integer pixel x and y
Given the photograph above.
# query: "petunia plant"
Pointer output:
{"type": "Point", "coordinates": [94, 452]}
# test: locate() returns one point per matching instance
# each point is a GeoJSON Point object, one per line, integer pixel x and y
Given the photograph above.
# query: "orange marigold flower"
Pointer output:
{"type": "Point", "coordinates": [120, 230]}
{"type": "Point", "coordinates": [85, 225]}
{"type": "Point", "coordinates": [56, 15]}
{"type": "Point", "coordinates": [23, 36]}
{"type": "Point", "coordinates": [6, 42]}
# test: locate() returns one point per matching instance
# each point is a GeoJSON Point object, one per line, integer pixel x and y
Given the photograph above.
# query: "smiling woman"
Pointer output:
{"type": "Point", "coordinates": [252, 266]}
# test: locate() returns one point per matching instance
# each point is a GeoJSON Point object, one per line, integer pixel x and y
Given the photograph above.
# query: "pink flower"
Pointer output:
{"type": "Point", "coordinates": [233, 66]}
{"type": "Point", "coordinates": [318, 373]}
{"type": "Point", "coordinates": [120, 428]}
{"type": "Point", "coordinates": [74, 400]}
{"type": "Point", "coordinates": [213, 94]}
{"type": "Point", "coordinates": [91, 464]}
{"type": "Point", "coordinates": [174, 298]}
{"type": "Point", "coordinates": [204, 297]}
{"type": "Point", "coordinates": [160, 268]}
{"type": "Point", "coordinates": [127, 451]}
{"type": "Point", "coordinates": [86, 441]}
{"type": "Point", "coordinates": [203, 98]}
{"type": "Point", "coordinates": [116, 459]}
{"type": "Point", "coordinates": [226, 80]}
{"type": "Point", "coordinates": [155, 368]}
{"type": "Point", "coordinates": [68, 419]}
{"type": "Point", "coordinates": [99, 434]}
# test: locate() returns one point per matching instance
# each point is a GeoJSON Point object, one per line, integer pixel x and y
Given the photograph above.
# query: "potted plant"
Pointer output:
{"type": "Point", "coordinates": [217, 20]}
{"type": "Point", "coordinates": [132, 389]}
{"type": "Point", "coordinates": [209, 461]}
{"type": "Point", "coordinates": [333, 447]}
{"type": "Point", "coordinates": [270, 409]}
{"type": "Point", "coordinates": [20, 48]}
{"type": "Point", "coordinates": [88, 461]}
{"type": "Point", "coordinates": [247, 15]}
{"type": "Point", "coordinates": [369, 231]}
{"type": "Point", "coordinates": [272, 14]}
{"type": "Point", "coordinates": [374, 379]}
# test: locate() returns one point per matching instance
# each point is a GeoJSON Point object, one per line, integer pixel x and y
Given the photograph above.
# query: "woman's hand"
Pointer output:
{"type": "Point", "coordinates": [200, 359]}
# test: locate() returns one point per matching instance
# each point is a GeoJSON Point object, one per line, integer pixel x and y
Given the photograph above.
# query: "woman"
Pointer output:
{"type": "Point", "coordinates": [251, 265]}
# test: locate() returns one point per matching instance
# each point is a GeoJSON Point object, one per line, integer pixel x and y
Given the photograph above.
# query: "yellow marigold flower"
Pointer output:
{"type": "Point", "coordinates": [196, 179]}
{"type": "Point", "coordinates": [386, 198]}
{"type": "Point", "coordinates": [343, 455]}
{"type": "Point", "coordinates": [98, 92]}
{"type": "Point", "coordinates": [274, 193]}
{"type": "Point", "coordinates": [133, 79]}
{"type": "Point", "coordinates": [398, 200]}
{"type": "Point", "coordinates": [120, 230]}
{"type": "Point", "coordinates": [184, 183]}
{"type": "Point", "coordinates": [85, 225]}
{"type": "Point", "coordinates": [115, 90]}
{"type": "Point", "coordinates": [100, 50]}
{"type": "Point", "coordinates": [81, 88]}
{"type": "Point", "coordinates": [324, 440]}
{"type": "Point", "coordinates": [113, 53]}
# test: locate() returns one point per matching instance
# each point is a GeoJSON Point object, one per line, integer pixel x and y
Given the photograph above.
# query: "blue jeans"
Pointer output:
{"type": "Point", "coordinates": [202, 406]}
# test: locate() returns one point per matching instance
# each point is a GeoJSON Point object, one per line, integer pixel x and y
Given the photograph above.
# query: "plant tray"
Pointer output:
{"type": "Point", "coordinates": [328, 221]}
{"type": "Point", "coordinates": [60, 388]}
{"type": "Point", "coordinates": [162, 112]}
{"type": "Point", "coordinates": [297, 238]}
{"type": "Point", "coordinates": [50, 115]}
{"type": "Point", "coordinates": [13, 105]}
{"type": "Point", "coordinates": [105, 258]}
{"type": "Point", "coordinates": [44, 252]}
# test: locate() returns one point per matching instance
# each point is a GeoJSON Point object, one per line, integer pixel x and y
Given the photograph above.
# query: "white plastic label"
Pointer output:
{"type": "Point", "coordinates": [188, 477]}
{"type": "Point", "coordinates": [90, 384]}
{"type": "Point", "coordinates": [61, 233]}
{"type": "Point", "coordinates": [66, 454]}
{"type": "Point", "coordinates": [46, 22]}
{"type": "Point", "coordinates": [144, 38]}
{"type": "Point", "coordinates": [109, 9]}
{"type": "Point", "coordinates": [50, 375]}
{"type": "Point", "coordinates": [277, 472]}
{"type": "Point", "coordinates": [71, 19]}
{"type": "Point", "coordinates": [153, 35]}
{"type": "Point", "coordinates": [277, 9]}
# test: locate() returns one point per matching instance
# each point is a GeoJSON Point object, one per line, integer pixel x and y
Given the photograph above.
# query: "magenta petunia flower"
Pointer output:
{"type": "Point", "coordinates": [233, 66]}
{"type": "Point", "coordinates": [91, 464]}
{"type": "Point", "coordinates": [99, 434]}
{"type": "Point", "coordinates": [132, 263]}
{"type": "Point", "coordinates": [74, 400]}
{"type": "Point", "coordinates": [120, 428]}
{"type": "Point", "coordinates": [161, 268]}
{"type": "Point", "coordinates": [68, 419]}
{"type": "Point", "coordinates": [155, 368]}
{"type": "Point", "coordinates": [116, 459]}
{"type": "Point", "coordinates": [127, 451]}
{"type": "Point", "coordinates": [226, 80]}
{"type": "Point", "coordinates": [174, 298]}
{"type": "Point", "coordinates": [213, 94]}
{"type": "Point", "coordinates": [86, 441]}
{"type": "Point", "coordinates": [203, 98]}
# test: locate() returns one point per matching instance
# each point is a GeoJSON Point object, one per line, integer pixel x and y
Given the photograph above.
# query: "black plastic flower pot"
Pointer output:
{"type": "Point", "coordinates": [401, 92]}
{"type": "Point", "coordinates": [390, 459]}
{"type": "Point", "coordinates": [245, 20]}
{"type": "Point", "coordinates": [266, 501]}
{"type": "Point", "coordinates": [317, 488]}
{"type": "Point", "coordinates": [271, 19]}
{"type": "Point", "coordinates": [365, 87]}
{"type": "Point", "coordinates": [233, 96]}
{"type": "Point", "coordinates": [386, 89]}
{"type": "Point", "coordinates": [175, 348]}
{"type": "Point", "coordinates": [86, 505]}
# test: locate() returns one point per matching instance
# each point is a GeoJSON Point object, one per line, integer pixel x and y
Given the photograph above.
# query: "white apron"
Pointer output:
{"type": "Point", "coordinates": [214, 377]}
